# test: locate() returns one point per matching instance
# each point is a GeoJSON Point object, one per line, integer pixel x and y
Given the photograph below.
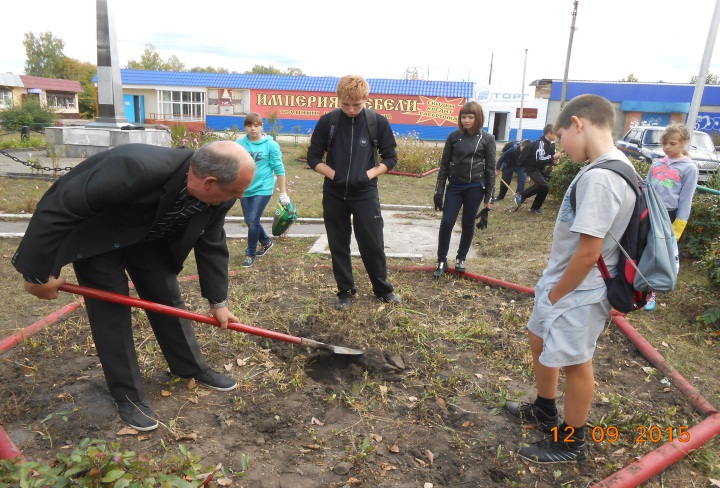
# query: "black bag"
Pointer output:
{"type": "Point", "coordinates": [509, 146]}
{"type": "Point", "coordinates": [527, 156]}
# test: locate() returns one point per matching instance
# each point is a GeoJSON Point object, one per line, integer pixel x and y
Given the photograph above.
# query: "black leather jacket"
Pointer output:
{"type": "Point", "coordinates": [468, 158]}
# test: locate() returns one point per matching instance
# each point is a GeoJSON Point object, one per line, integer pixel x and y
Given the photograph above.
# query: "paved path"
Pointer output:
{"type": "Point", "coordinates": [410, 231]}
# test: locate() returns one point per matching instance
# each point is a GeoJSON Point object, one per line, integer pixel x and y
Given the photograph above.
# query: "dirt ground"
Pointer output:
{"type": "Point", "coordinates": [424, 404]}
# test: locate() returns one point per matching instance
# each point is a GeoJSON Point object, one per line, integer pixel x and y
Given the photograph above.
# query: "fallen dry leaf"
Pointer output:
{"type": "Point", "coordinates": [421, 462]}
{"type": "Point", "coordinates": [619, 452]}
{"type": "Point", "coordinates": [316, 422]}
{"type": "Point", "coordinates": [467, 423]}
{"type": "Point", "coordinates": [191, 384]}
{"type": "Point", "coordinates": [191, 436]}
{"type": "Point", "coordinates": [224, 481]}
{"type": "Point", "coordinates": [128, 431]}
{"type": "Point", "coordinates": [203, 393]}
{"type": "Point", "coordinates": [505, 378]}
{"type": "Point", "coordinates": [241, 362]}
{"type": "Point", "coordinates": [65, 396]}
{"type": "Point", "coordinates": [441, 403]}
{"type": "Point", "coordinates": [394, 448]}
{"type": "Point", "coordinates": [228, 366]}
{"type": "Point", "coordinates": [429, 455]}
{"type": "Point", "coordinates": [648, 369]}
{"type": "Point", "coordinates": [383, 390]}
{"type": "Point", "coordinates": [714, 482]}
{"type": "Point", "coordinates": [375, 437]}
{"type": "Point", "coordinates": [412, 399]}
{"type": "Point", "coordinates": [193, 399]}
{"type": "Point", "coordinates": [314, 447]}
{"type": "Point", "coordinates": [165, 393]}
{"type": "Point", "coordinates": [479, 376]}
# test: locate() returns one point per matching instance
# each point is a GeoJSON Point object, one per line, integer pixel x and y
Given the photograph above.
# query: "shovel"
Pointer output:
{"type": "Point", "coordinates": [198, 317]}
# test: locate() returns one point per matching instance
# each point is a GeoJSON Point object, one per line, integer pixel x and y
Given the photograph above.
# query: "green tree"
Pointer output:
{"type": "Point", "coordinates": [711, 79]}
{"type": "Point", "coordinates": [150, 60]}
{"type": "Point", "coordinates": [72, 69]}
{"type": "Point", "coordinates": [44, 54]}
{"type": "Point", "coordinates": [174, 64]}
{"type": "Point", "coordinates": [209, 69]}
{"type": "Point", "coordinates": [630, 78]}
{"type": "Point", "coordinates": [259, 69]}
{"type": "Point", "coordinates": [30, 112]}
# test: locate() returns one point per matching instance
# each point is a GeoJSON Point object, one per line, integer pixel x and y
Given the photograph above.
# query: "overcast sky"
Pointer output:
{"type": "Point", "coordinates": [383, 38]}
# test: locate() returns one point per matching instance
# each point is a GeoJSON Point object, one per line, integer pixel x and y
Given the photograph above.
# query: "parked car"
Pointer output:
{"type": "Point", "coordinates": [643, 142]}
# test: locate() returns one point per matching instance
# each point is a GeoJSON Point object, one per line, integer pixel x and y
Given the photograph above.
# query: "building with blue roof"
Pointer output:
{"type": "Point", "coordinates": [637, 103]}
{"type": "Point", "coordinates": [220, 101]}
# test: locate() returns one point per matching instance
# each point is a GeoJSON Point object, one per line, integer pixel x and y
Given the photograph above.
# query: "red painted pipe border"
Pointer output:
{"type": "Point", "coordinates": [630, 476]}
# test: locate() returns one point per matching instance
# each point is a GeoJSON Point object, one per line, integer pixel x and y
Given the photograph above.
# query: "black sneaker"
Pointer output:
{"type": "Point", "coordinates": [548, 450]}
{"type": "Point", "coordinates": [216, 381]}
{"type": "Point", "coordinates": [344, 300]}
{"type": "Point", "coordinates": [389, 298]}
{"type": "Point", "coordinates": [138, 415]}
{"type": "Point", "coordinates": [460, 265]}
{"type": "Point", "coordinates": [527, 413]}
{"type": "Point", "coordinates": [264, 248]}
{"type": "Point", "coordinates": [441, 268]}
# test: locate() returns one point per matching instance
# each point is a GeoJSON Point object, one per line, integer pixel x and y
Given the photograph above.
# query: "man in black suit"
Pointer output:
{"type": "Point", "coordinates": [138, 210]}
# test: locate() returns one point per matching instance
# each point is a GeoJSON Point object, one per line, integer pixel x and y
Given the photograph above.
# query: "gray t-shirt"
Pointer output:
{"type": "Point", "coordinates": [604, 203]}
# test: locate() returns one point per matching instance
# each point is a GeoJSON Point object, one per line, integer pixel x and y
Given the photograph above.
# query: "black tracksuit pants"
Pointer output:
{"type": "Point", "coordinates": [539, 188]}
{"type": "Point", "coordinates": [368, 224]}
{"type": "Point", "coordinates": [150, 268]}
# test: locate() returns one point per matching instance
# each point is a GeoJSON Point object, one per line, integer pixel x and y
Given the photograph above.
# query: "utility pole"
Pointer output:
{"type": "Point", "coordinates": [492, 55]}
{"type": "Point", "coordinates": [563, 95]}
{"type": "Point", "coordinates": [704, 66]}
{"type": "Point", "coordinates": [522, 99]}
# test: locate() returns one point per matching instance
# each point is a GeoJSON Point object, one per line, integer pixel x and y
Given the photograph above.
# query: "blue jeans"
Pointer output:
{"type": "Point", "coordinates": [507, 174]}
{"type": "Point", "coordinates": [253, 208]}
{"type": "Point", "coordinates": [455, 197]}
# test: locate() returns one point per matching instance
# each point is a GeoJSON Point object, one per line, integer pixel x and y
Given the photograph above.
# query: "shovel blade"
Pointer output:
{"type": "Point", "coordinates": [334, 349]}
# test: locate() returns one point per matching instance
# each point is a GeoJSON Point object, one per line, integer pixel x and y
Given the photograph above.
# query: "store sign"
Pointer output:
{"type": "Point", "coordinates": [35, 91]}
{"type": "Point", "coordinates": [399, 109]}
{"type": "Point", "coordinates": [528, 113]}
{"type": "Point", "coordinates": [493, 95]}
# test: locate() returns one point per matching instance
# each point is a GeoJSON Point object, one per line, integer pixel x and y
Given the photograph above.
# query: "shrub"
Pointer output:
{"type": "Point", "coordinates": [416, 156]}
{"type": "Point", "coordinates": [713, 182]}
{"type": "Point", "coordinates": [189, 139]}
{"type": "Point", "coordinates": [703, 228]}
{"type": "Point", "coordinates": [18, 143]}
{"type": "Point", "coordinates": [31, 113]}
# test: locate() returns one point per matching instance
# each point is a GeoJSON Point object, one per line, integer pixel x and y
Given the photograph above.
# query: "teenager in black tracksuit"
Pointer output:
{"type": "Point", "coordinates": [535, 159]}
{"type": "Point", "coordinates": [468, 162]}
{"type": "Point", "coordinates": [350, 188]}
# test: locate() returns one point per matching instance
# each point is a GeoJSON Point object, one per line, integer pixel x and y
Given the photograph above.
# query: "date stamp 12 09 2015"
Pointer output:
{"type": "Point", "coordinates": [653, 434]}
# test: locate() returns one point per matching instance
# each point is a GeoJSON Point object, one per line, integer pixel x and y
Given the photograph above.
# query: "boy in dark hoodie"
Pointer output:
{"type": "Point", "coordinates": [350, 194]}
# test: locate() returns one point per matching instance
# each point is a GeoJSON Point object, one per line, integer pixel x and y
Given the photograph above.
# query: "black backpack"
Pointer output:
{"type": "Point", "coordinates": [371, 120]}
{"type": "Point", "coordinates": [527, 156]}
{"type": "Point", "coordinates": [621, 292]}
{"type": "Point", "coordinates": [509, 146]}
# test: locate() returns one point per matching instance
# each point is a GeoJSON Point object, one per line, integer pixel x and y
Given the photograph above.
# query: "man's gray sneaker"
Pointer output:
{"type": "Point", "coordinates": [216, 381]}
{"type": "Point", "coordinates": [528, 413]}
{"type": "Point", "coordinates": [138, 415]}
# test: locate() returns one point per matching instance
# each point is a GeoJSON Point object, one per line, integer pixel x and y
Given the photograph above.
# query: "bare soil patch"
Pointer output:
{"type": "Point", "coordinates": [423, 405]}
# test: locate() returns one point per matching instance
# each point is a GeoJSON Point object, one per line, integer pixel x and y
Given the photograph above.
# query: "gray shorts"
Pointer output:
{"type": "Point", "coordinates": [570, 328]}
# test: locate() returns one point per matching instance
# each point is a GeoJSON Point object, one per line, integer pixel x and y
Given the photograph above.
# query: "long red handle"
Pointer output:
{"type": "Point", "coordinates": [177, 312]}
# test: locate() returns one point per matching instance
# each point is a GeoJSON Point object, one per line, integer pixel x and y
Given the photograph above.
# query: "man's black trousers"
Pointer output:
{"type": "Point", "coordinates": [151, 270]}
{"type": "Point", "coordinates": [368, 224]}
{"type": "Point", "coordinates": [539, 188]}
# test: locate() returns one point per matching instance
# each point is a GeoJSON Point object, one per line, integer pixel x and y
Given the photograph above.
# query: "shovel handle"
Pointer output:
{"type": "Point", "coordinates": [176, 312]}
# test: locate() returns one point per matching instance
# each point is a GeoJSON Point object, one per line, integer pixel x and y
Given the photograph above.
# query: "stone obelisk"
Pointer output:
{"type": "Point", "coordinates": [111, 111]}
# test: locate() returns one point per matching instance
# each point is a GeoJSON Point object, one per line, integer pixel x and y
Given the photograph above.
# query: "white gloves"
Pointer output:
{"type": "Point", "coordinates": [284, 199]}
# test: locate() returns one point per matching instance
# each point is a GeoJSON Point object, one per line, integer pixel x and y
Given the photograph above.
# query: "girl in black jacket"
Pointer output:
{"type": "Point", "coordinates": [468, 163]}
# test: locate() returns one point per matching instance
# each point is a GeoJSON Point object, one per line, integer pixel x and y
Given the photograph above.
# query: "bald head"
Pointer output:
{"type": "Point", "coordinates": [220, 171]}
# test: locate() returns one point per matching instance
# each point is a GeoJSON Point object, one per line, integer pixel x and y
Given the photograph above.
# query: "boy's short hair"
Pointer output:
{"type": "Point", "coordinates": [599, 111]}
{"type": "Point", "coordinates": [547, 129]}
{"type": "Point", "coordinates": [475, 109]}
{"type": "Point", "coordinates": [252, 119]}
{"type": "Point", "coordinates": [353, 87]}
{"type": "Point", "coordinates": [525, 142]}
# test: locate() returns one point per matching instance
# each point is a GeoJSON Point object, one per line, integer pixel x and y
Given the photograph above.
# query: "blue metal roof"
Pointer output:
{"type": "Point", "coordinates": [450, 89]}
{"type": "Point", "coordinates": [619, 92]}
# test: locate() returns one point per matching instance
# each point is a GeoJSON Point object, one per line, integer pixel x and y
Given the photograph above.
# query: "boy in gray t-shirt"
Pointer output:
{"type": "Point", "coordinates": [571, 306]}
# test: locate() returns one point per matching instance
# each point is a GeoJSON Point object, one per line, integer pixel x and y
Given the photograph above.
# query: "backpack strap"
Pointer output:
{"type": "Point", "coordinates": [370, 119]}
{"type": "Point", "coordinates": [616, 166]}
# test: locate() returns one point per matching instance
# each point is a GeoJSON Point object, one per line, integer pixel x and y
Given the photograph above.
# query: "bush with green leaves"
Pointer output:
{"type": "Point", "coordinates": [95, 463]}
{"type": "Point", "coordinates": [416, 156]}
{"type": "Point", "coordinates": [31, 113]}
{"type": "Point", "coordinates": [703, 228]}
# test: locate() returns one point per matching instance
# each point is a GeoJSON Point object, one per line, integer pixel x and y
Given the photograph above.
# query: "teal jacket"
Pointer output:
{"type": "Point", "coordinates": [268, 163]}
